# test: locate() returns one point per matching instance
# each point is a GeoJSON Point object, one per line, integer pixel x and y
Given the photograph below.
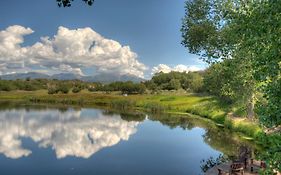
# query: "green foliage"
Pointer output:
{"type": "Point", "coordinates": [76, 89]}
{"type": "Point", "coordinates": [27, 85]}
{"type": "Point", "coordinates": [125, 87]}
{"type": "Point", "coordinates": [272, 155]}
{"type": "Point", "coordinates": [154, 107]}
{"type": "Point", "coordinates": [237, 32]}
{"type": "Point", "coordinates": [5, 86]}
{"type": "Point", "coordinates": [123, 104]}
{"type": "Point", "coordinates": [173, 84]}
{"type": "Point", "coordinates": [176, 80]}
{"type": "Point", "coordinates": [93, 86]}
{"type": "Point", "coordinates": [245, 37]}
{"type": "Point", "coordinates": [52, 90]}
{"type": "Point", "coordinates": [152, 86]}
{"type": "Point", "coordinates": [224, 80]}
{"type": "Point", "coordinates": [63, 88]}
{"type": "Point", "coordinates": [259, 30]}
{"type": "Point", "coordinates": [58, 86]}
{"type": "Point", "coordinates": [78, 86]}
{"type": "Point", "coordinates": [194, 82]}
{"type": "Point", "coordinates": [202, 29]}
{"type": "Point", "coordinates": [269, 109]}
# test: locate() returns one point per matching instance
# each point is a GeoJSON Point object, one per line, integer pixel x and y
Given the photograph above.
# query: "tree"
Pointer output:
{"type": "Point", "coordinates": [76, 89]}
{"type": "Point", "coordinates": [193, 81]}
{"type": "Point", "coordinates": [6, 85]}
{"type": "Point", "coordinates": [52, 90]}
{"type": "Point", "coordinates": [151, 86]}
{"type": "Point", "coordinates": [67, 3]}
{"type": "Point", "coordinates": [247, 32]}
{"type": "Point", "coordinates": [176, 80]}
{"type": "Point", "coordinates": [63, 89]}
{"type": "Point", "coordinates": [174, 84]}
{"type": "Point", "coordinates": [221, 30]}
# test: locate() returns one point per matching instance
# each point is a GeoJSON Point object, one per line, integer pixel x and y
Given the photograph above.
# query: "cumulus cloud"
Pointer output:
{"type": "Point", "coordinates": [178, 68]}
{"type": "Point", "coordinates": [68, 50]}
{"type": "Point", "coordinates": [69, 133]}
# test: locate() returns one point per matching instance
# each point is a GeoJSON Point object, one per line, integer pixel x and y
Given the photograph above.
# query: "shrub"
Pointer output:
{"type": "Point", "coordinates": [63, 89]}
{"type": "Point", "coordinates": [52, 90]}
{"type": "Point", "coordinates": [76, 89]}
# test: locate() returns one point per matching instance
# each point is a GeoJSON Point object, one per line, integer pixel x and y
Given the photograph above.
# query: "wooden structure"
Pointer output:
{"type": "Point", "coordinates": [225, 169]}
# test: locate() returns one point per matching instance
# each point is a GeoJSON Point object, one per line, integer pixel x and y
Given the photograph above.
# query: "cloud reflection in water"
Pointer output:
{"type": "Point", "coordinates": [71, 133]}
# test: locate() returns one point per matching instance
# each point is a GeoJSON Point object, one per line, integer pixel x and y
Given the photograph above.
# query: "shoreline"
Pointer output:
{"type": "Point", "coordinates": [205, 107]}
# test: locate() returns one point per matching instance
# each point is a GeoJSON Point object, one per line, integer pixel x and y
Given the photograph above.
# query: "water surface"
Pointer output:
{"type": "Point", "coordinates": [46, 140]}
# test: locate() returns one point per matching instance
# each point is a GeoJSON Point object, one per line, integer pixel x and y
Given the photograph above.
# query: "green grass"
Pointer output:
{"type": "Point", "coordinates": [178, 103]}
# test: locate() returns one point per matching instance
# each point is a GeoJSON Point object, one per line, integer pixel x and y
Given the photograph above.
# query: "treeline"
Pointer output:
{"type": "Point", "coordinates": [215, 80]}
{"type": "Point", "coordinates": [26, 85]}
{"type": "Point", "coordinates": [125, 87]}
{"type": "Point", "coordinates": [192, 81]}
{"type": "Point", "coordinates": [53, 86]}
{"type": "Point", "coordinates": [75, 86]}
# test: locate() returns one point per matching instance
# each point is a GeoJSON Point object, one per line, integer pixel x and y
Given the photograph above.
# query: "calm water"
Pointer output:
{"type": "Point", "coordinates": [50, 141]}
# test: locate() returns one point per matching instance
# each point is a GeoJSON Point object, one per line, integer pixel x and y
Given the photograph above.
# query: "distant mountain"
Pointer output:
{"type": "Point", "coordinates": [66, 76]}
{"type": "Point", "coordinates": [104, 78]}
{"type": "Point", "coordinates": [31, 75]}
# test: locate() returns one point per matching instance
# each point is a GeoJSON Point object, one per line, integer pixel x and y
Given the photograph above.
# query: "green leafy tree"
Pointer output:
{"type": "Point", "coordinates": [209, 30]}
{"type": "Point", "coordinates": [76, 89]}
{"type": "Point", "coordinates": [52, 90]}
{"type": "Point", "coordinates": [194, 82]}
{"type": "Point", "coordinates": [176, 80]}
{"type": "Point", "coordinates": [6, 85]}
{"type": "Point", "coordinates": [174, 84]}
{"type": "Point", "coordinates": [247, 32]}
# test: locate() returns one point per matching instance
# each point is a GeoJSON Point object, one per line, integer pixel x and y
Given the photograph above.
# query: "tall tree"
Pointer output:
{"type": "Point", "coordinates": [247, 32]}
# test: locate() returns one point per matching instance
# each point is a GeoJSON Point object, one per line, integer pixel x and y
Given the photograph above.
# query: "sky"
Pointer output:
{"type": "Point", "coordinates": [138, 37]}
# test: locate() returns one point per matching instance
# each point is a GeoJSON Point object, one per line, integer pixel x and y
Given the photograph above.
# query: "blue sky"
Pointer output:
{"type": "Point", "coordinates": [151, 28]}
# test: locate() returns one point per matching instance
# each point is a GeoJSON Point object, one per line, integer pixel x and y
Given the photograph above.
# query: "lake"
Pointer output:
{"type": "Point", "coordinates": [54, 141]}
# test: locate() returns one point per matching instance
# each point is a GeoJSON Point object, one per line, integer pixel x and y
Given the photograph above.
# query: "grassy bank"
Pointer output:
{"type": "Point", "coordinates": [170, 102]}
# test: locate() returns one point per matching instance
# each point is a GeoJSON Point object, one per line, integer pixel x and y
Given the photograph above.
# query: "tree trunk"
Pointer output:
{"type": "Point", "coordinates": [250, 107]}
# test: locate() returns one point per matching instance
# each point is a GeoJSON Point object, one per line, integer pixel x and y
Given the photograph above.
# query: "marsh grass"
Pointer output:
{"type": "Point", "coordinates": [205, 106]}
{"type": "Point", "coordinates": [154, 107]}
{"type": "Point", "coordinates": [123, 104]}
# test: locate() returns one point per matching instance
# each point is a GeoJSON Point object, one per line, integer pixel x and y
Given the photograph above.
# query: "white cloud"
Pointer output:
{"type": "Point", "coordinates": [69, 50]}
{"type": "Point", "coordinates": [178, 68]}
{"type": "Point", "coordinates": [68, 133]}
{"type": "Point", "coordinates": [68, 68]}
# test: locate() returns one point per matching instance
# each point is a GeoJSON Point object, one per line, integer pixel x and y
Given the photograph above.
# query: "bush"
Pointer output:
{"type": "Point", "coordinates": [63, 89]}
{"type": "Point", "coordinates": [5, 86]}
{"type": "Point", "coordinates": [52, 90]}
{"type": "Point", "coordinates": [28, 87]}
{"type": "Point", "coordinates": [76, 89]}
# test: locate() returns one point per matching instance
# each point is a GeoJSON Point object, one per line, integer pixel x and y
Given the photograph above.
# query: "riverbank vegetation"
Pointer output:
{"type": "Point", "coordinates": [241, 42]}
{"type": "Point", "coordinates": [177, 102]}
